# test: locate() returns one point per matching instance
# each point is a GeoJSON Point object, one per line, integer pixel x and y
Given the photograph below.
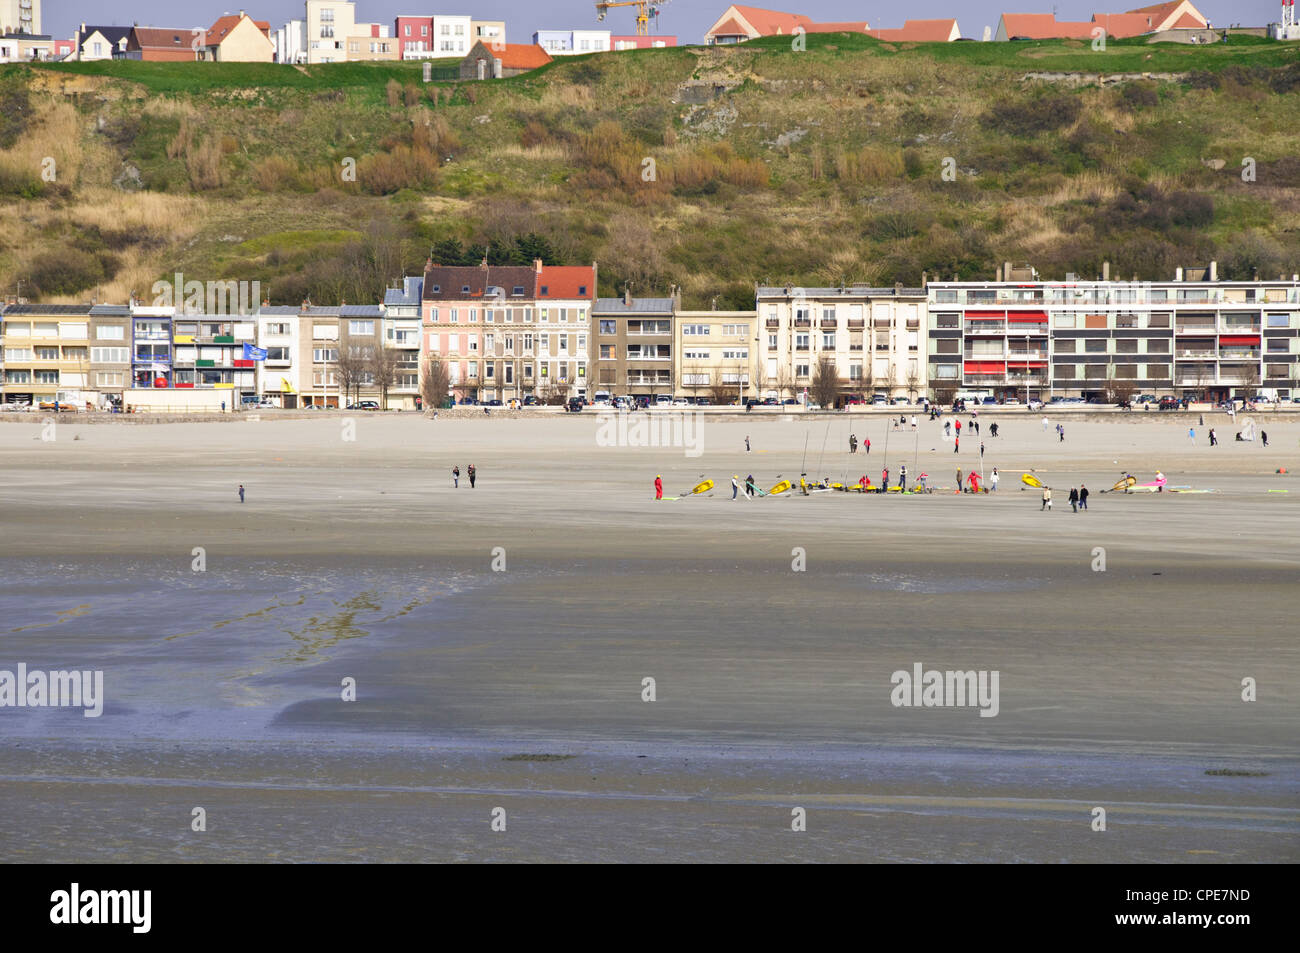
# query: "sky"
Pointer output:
{"type": "Point", "coordinates": [685, 19]}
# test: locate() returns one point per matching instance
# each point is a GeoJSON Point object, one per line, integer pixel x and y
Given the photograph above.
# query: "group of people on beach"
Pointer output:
{"type": "Point", "coordinates": [1078, 498]}
{"type": "Point", "coordinates": [469, 472]}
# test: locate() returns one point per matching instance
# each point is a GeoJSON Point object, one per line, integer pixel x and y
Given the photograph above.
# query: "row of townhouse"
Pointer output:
{"type": "Point", "coordinates": [515, 331]}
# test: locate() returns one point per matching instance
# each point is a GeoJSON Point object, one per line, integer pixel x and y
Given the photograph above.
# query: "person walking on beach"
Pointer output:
{"type": "Point", "coordinates": [956, 444]}
{"type": "Point", "coordinates": [884, 480]}
{"type": "Point", "coordinates": [1083, 497]}
{"type": "Point", "coordinates": [1074, 499]}
{"type": "Point", "coordinates": [902, 478]}
{"type": "Point", "coordinates": [958, 427]}
{"type": "Point", "coordinates": [981, 449]}
{"type": "Point", "coordinates": [749, 486]}
{"type": "Point", "coordinates": [914, 421]}
{"type": "Point", "coordinates": [1047, 499]}
{"type": "Point", "coordinates": [241, 493]}
{"type": "Point", "coordinates": [959, 487]}
{"type": "Point", "coordinates": [735, 486]}
{"type": "Point", "coordinates": [947, 428]}
{"type": "Point", "coordinates": [853, 443]}
{"type": "Point", "coordinates": [1263, 437]}
{"type": "Point", "coordinates": [866, 443]}
{"type": "Point", "coordinates": [472, 475]}
{"type": "Point", "coordinates": [1214, 440]}
{"type": "Point", "coordinates": [993, 481]}
{"type": "Point", "coordinates": [1060, 432]}
{"type": "Point", "coordinates": [455, 477]}
{"type": "Point", "coordinates": [1191, 434]}
{"type": "Point", "coordinates": [659, 486]}
{"type": "Point", "coordinates": [747, 443]}
{"type": "Point", "coordinates": [1044, 423]}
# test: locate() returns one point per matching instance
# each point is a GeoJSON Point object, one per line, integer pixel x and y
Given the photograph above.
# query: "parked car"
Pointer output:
{"type": "Point", "coordinates": [1011, 402]}
{"type": "Point", "coordinates": [879, 400]}
{"type": "Point", "coordinates": [1145, 399]}
{"type": "Point", "coordinates": [771, 402]}
{"type": "Point", "coordinates": [1169, 403]}
{"type": "Point", "coordinates": [900, 402]}
{"type": "Point", "coordinates": [574, 405]}
{"type": "Point", "coordinates": [703, 401]}
{"type": "Point", "coordinates": [364, 405]}
{"type": "Point", "coordinates": [989, 401]}
{"type": "Point", "coordinates": [788, 402]}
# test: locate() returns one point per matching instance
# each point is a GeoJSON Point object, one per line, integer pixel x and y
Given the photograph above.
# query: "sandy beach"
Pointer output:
{"type": "Point", "coordinates": [521, 686]}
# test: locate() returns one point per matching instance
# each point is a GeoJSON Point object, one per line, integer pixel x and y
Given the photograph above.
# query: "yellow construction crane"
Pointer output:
{"type": "Point", "coordinates": [645, 10]}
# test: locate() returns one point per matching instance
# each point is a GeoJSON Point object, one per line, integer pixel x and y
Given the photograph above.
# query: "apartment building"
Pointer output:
{"type": "Point", "coordinates": [573, 42]}
{"type": "Point", "coordinates": [565, 296]}
{"type": "Point", "coordinates": [20, 16]}
{"type": "Point", "coordinates": [320, 349]}
{"type": "Point", "coordinates": [633, 347]}
{"type": "Point", "coordinates": [110, 355]}
{"type": "Point", "coordinates": [874, 336]}
{"type": "Point", "coordinates": [329, 24]}
{"type": "Point", "coordinates": [490, 32]}
{"type": "Point", "coordinates": [402, 323]}
{"type": "Point", "coordinates": [716, 354]}
{"type": "Point", "coordinates": [370, 41]}
{"type": "Point", "coordinates": [452, 35]}
{"type": "Point", "coordinates": [1194, 336]}
{"type": "Point", "coordinates": [208, 354]}
{"type": "Point", "coordinates": [46, 353]}
{"type": "Point", "coordinates": [456, 303]}
{"type": "Point", "coordinates": [280, 375]}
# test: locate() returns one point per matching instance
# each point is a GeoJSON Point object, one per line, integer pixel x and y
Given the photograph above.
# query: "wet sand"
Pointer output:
{"type": "Point", "coordinates": [357, 559]}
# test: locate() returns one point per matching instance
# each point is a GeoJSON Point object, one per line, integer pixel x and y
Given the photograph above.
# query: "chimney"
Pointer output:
{"type": "Point", "coordinates": [1006, 272]}
{"type": "Point", "coordinates": [537, 265]}
{"type": "Point", "coordinates": [1214, 271]}
{"type": "Point", "coordinates": [1178, 274]}
{"type": "Point", "coordinates": [997, 275]}
{"type": "Point", "coordinates": [1105, 271]}
{"type": "Point", "coordinates": [925, 281]}
{"type": "Point", "coordinates": [627, 296]}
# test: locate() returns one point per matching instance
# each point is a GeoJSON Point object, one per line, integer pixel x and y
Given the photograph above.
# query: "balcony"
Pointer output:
{"type": "Point", "coordinates": [1199, 327]}
{"type": "Point", "coordinates": [1016, 355]}
{"type": "Point", "coordinates": [830, 323]}
{"type": "Point", "coordinates": [803, 322]}
{"type": "Point", "coordinates": [857, 324]}
{"type": "Point", "coordinates": [1239, 354]}
{"type": "Point", "coordinates": [1244, 327]}
{"type": "Point", "coordinates": [1195, 354]}
{"type": "Point", "coordinates": [986, 327]}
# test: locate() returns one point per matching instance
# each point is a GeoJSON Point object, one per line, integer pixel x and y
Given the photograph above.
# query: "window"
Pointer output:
{"type": "Point", "coordinates": [324, 355]}
{"type": "Point", "coordinates": [18, 377]}
{"type": "Point", "coordinates": [801, 370]}
{"type": "Point", "coordinates": [489, 370]}
{"type": "Point", "coordinates": [47, 354]}
{"type": "Point", "coordinates": [1279, 320]}
{"type": "Point", "coordinates": [528, 342]}
{"type": "Point", "coordinates": [1063, 321]}
{"type": "Point", "coordinates": [771, 342]}
{"type": "Point", "coordinates": [607, 327]}
{"type": "Point", "coordinates": [1157, 371]}
{"type": "Point", "coordinates": [109, 379]}
{"type": "Point", "coordinates": [948, 346]}
{"type": "Point", "coordinates": [1126, 346]}
{"type": "Point", "coordinates": [607, 352]}
{"type": "Point", "coordinates": [1278, 344]}
{"type": "Point", "coordinates": [801, 342]}
{"type": "Point", "coordinates": [1158, 320]}
{"type": "Point", "coordinates": [696, 355]}
{"type": "Point", "coordinates": [361, 328]}
{"type": "Point", "coordinates": [737, 330]}
{"type": "Point", "coordinates": [473, 342]}
{"type": "Point", "coordinates": [738, 354]}
{"type": "Point", "coordinates": [855, 372]}
{"type": "Point", "coordinates": [828, 341]}
{"type": "Point", "coordinates": [47, 377]}
{"type": "Point", "coordinates": [1157, 346]}
{"type": "Point", "coordinates": [1067, 346]}
{"type": "Point", "coordinates": [277, 354]}
{"type": "Point", "coordinates": [696, 329]}
{"type": "Point", "coordinates": [1094, 346]}
{"type": "Point", "coordinates": [110, 355]}
{"type": "Point", "coordinates": [18, 354]}
{"type": "Point", "coordinates": [110, 332]}
{"type": "Point", "coordinates": [946, 319]}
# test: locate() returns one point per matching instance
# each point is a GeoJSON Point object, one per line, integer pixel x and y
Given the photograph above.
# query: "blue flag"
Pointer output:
{"type": "Point", "coordinates": [254, 353]}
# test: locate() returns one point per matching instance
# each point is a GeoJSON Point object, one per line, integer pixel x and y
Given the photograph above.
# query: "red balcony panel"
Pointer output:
{"type": "Point", "coordinates": [240, 362]}
{"type": "Point", "coordinates": [1239, 339]}
{"type": "Point", "coordinates": [190, 386]}
{"type": "Point", "coordinates": [985, 315]}
{"type": "Point", "coordinates": [985, 367]}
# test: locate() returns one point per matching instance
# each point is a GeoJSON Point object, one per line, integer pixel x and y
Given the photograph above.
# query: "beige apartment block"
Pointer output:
{"type": "Point", "coordinates": [874, 336]}
{"type": "Point", "coordinates": [329, 25]}
{"type": "Point", "coordinates": [716, 355]}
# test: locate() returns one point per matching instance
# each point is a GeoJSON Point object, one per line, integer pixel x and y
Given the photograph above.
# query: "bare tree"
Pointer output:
{"type": "Point", "coordinates": [825, 385]}
{"type": "Point", "coordinates": [943, 392]}
{"type": "Point", "coordinates": [383, 371]}
{"type": "Point", "coordinates": [353, 368]}
{"type": "Point", "coordinates": [722, 393]}
{"type": "Point", "coordinates": [435, 386]}
{"type": "Point", "coordinates": [1121, 390]}
{"type": "Point", "coordinates": [913, 380]}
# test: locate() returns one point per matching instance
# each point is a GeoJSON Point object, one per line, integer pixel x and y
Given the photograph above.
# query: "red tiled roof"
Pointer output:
{"type": "Point", "coordinates": [520, 55]}
{"type": "Point", "coordinates": [219, 30]}
{"type": "Point", "coordinates": [859, 27]}
{"type": "Point", "coordinates": [1044, 26]}
{"type": "Point", "coordinates": [730, 28]}
{"type": "Point", "coordinates": [1160, 12]}
{"type": "Point", "coordinates": [147, 37]}
{"type": "Point", "coordinates": [566, 281]}
{"type": "Point", "coordinates": [772, 22]}
{"type": "Point", "coordinates": [919, 31]}
{"type": "Point", "coordinates": [1123, 25]}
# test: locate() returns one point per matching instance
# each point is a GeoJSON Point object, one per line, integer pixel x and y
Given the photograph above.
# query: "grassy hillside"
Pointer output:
{"type": "Point", "coordinates": [708, 168]}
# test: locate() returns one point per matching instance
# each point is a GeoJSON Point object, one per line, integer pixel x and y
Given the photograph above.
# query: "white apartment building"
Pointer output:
{"type": "Point", "coordinates": [20, 16]}
{"type": "Point", "coordinates": [874, 336]}
{"type": "Point", "coordinates": [329, 24]}
{"type": "Point", "coordinates": [573, 42]}
{"type": "Point", "coordinates": [291, 42]}
{"type": "Point", "coordinates": [452, 35]}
